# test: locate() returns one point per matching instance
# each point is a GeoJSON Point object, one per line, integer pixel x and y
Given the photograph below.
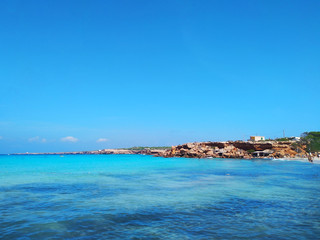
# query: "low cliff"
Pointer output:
{"type": "Point", "coordinates": [234, 149]}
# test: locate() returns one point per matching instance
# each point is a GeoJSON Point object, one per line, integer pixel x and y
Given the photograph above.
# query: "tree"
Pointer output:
{"type": "Point", "coordinates": [311, 140]}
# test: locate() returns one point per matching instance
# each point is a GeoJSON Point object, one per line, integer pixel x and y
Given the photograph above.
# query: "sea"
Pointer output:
{"type": "Point", "coordinates": [146, 197]}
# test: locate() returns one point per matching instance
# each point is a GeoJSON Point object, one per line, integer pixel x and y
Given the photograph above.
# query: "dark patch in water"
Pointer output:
{"type": "Point", "coordinates": [232, 219]}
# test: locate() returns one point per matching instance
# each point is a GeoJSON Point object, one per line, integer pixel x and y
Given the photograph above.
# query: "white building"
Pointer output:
{"type": "Point", "coordinates": [295, 138]}
{"type": "Point", "coordinates": [257, 138]}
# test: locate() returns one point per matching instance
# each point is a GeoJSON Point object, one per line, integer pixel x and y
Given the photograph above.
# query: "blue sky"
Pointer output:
{"type": "Point", "coordinates": [85, 75]}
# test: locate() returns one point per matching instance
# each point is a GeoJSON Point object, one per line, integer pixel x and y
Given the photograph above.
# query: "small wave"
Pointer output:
{"type": "Point", "coordinates": [316, 161]}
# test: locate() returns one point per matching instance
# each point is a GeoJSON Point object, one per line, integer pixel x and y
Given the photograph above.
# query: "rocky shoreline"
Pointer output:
{"type": "Point", "coordinates": [230, 149]}
{"type": "Point", "coordinates": [237, 149]}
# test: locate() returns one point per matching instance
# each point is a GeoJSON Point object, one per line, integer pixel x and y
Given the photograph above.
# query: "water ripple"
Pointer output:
{"type": "Point", "coordinates": [181, 199]}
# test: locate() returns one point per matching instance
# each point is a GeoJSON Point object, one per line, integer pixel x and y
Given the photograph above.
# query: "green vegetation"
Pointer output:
{"type": "Point", "coordinates": [283, 139]}
{"type": "Point", "coordinates": [151, 148]}
{"type": "Point", "coordinates": [268, 140]}
{"type": "Point", "coordinates": [311, 140]}
{"type": "Point", "coordinates": [250, 150]}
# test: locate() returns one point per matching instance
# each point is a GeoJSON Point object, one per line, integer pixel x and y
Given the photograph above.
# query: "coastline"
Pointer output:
{"type": "Point", "coordinates": [99, 152]}
{"type": "Point", "coordinates": [232, 149]}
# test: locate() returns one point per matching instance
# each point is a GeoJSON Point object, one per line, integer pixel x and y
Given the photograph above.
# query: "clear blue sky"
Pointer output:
{"type": "Point", "coordinates": [155, 72]}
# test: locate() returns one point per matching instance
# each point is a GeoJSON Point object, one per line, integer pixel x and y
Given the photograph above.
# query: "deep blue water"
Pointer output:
{"type": "Point", "coordinates": [144, 197]}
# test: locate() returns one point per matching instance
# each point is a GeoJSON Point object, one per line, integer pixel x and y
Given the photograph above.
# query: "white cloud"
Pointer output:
{"type": "Point", "coordinates": [102, 140]}
{"type": "Point", "coordinates": [34, 139]}
{"type": "Point", "coordinates": [37, 139]}
{"type": "Point", "coordinates": [69, 139]}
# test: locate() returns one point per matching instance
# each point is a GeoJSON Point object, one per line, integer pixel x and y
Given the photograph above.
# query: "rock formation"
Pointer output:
{"type": "Point", "coordinates": [234, 149]}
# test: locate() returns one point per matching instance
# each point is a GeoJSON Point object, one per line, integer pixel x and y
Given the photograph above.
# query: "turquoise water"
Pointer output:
{"type": "Point", "coordinates": [144, 197]}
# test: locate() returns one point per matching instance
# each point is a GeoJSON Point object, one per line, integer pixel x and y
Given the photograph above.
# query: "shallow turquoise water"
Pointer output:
{"type": "Point", "coordinates": [143, 197]}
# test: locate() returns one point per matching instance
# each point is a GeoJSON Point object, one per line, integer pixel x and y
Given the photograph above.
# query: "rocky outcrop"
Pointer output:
{"type": "Point", "coordinates": [287, 149]}
{"type": "Point", "coordinates": [259, 146]}
{"type": "Point", "coordinates": [206, 150]}
{"type": "Point", "coordinates": [234, 149]}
